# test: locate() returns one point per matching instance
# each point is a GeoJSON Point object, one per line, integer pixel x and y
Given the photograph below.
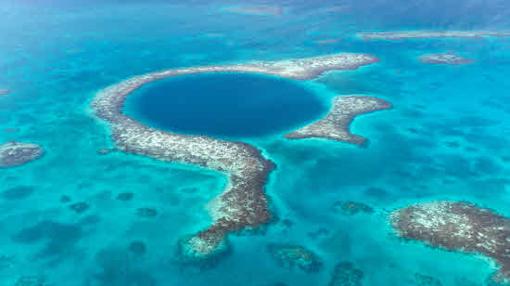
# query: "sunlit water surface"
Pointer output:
{"type": "Point", "coordinates": [446, 138]}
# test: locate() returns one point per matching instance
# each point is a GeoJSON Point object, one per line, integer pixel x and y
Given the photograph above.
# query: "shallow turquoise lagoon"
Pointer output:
{"type": "Point", "coordinates": [447, 137]}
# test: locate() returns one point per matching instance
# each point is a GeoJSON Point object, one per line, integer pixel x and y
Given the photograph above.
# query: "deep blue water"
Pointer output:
{"type": "Point", "coordinates": [447, 137]}
{"type": "Point", "coordinates": [225, 105]}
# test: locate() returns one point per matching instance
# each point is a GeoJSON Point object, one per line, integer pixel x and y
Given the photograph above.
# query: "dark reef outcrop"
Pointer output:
{"type": "Point", "coordinates": [147, 212]}
{"type": "Point", "coordinates": [137, 247]}
{"type": "Point", "coordinates": [458, 226]}
{"type": "Point", "coordinates": [352, 207]}
{"type": "Point", "coordinates": [79, 207]}
{"type": "Point", "coordinates": [14, 154]}
{"type": "Point", "coordinates": [426, 280]}
{"type": "Point", "coordinates": [292, 256]}
{"type": "Point", "coordinates": [346, 274]}
{"type": "Point", "coordinates": [31, 281]}
{"type": "Point", "coordinates": [18, 192]}
{"type": "Point", "coordinates": [125, 196]}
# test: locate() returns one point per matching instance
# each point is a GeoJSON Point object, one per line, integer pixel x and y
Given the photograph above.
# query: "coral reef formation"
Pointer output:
{"type": "Point", "coordinates": [79, 207]}
{"type": "Point", "coordinates": [404, 35]}
{"type": "Point", "coordinates": [243, 204]}
{"type": "Point", "coordinates": [445, 58]}
{"type": "Point", "coordinates": [146, 212]}
{"type": "Point", "coordinates": [352, 207]}
{"type": "Point", "coordinates": [458, 226]}
{"type": "Point", "coordinates": [426, 280]}
{"type": "Point", "coordinates": [346, 274]}
{"type": "Point", "coordinates": [335, 125]}
{"type": "Point", "coordinates": [291, 256]}
{"type": "Point", "coordinates": [31, 281]}
{"type": "Point", "coordinates": [15, 153]}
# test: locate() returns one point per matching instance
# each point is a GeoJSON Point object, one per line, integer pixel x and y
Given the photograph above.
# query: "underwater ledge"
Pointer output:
{"type": "Point", "coordinates": [243, 204]}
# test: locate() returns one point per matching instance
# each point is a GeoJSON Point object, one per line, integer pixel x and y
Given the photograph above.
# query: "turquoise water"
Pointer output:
{"type": "Point", "coordinates": [225, 105]}
{"type": "Point", "coordinates": [446, 138]}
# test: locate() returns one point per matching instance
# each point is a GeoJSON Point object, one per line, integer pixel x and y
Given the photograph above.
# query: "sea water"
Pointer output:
{"type": "Point", "coordinates": [225, 105]}
{"type": "Point", "coordinates": [447, 137]}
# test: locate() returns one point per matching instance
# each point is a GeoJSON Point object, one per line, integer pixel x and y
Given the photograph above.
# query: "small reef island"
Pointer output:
{"type": "Point", "coordinates": [405, 35]}
{"type": "Point", "coordinates": [14, 154]}
{"type": "Point", "coordinates": [444, 58]}
{"type": "Point", "coordinates": [346, 273]}
{"type": "Point", "coordinates": [257, 10]}
{"type": "Point", "coordinates": [335, 125]}
{"type": "Point", "coordinates": [458, 226]}
{"type": "Point", "coordinates": [4, 91]}
{"type": "Point", "coordinates": [295, 256]}
{"type": "Point", "coordinates": [243, 204]}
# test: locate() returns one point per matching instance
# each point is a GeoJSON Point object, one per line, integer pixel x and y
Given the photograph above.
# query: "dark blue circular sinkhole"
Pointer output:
{"type": "Point", "coordinates": [224, 104]}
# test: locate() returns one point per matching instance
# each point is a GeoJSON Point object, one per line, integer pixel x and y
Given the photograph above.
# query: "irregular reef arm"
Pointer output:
{"type": "Point", "coordinates": [406, 35]}
{"type": "Point", "coordinates": [444, 58]}
{"type": "Point", "coordinates": [458, 226]}
{"type": "Point", "coordinates": [336, 124]}
{"type": "Point", "coordinates": [310, 68]}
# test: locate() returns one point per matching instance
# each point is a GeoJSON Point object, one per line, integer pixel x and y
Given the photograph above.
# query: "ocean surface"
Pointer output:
{"type": "Point", "coordinates": [225, 105]}
{"type": "Point", "coordinates": [78, 217]}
